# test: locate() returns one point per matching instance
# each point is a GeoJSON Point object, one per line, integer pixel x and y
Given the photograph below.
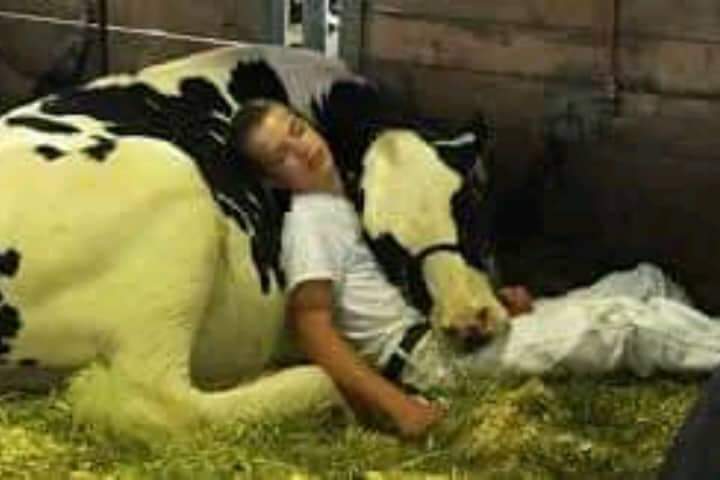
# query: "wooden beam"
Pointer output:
{"type": "Point", "coordinates": [696, 20]}
{"type": "Point", "coordinates": [231, 19]}
{"type": "Point", "coordinates": [129, 50]}
{"type": "Point", "coordinates": [315, 24]}
{"type": "Point", "coordinates": [517, 50]}
{"type": "Point", "coordinates": [277, 19]}
{"type": "Point", "coordinates": [352, 32]}
{"type": "Point", "coordinates": [538, 13]}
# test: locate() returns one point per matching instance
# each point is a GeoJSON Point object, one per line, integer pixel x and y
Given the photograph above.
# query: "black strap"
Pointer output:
{"type": "Point", "coordinates": [441, 247]}
{"type": "Point", "coordinates": [394, 367]}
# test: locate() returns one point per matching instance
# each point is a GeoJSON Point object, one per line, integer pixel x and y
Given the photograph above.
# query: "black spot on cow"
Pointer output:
{"type": "Point", "coordinates": [42, 124]}
{"type": "Point", "coordinates": [402, 269]}
{"type": "Point", "coordinates": [49, 152]}
{"type": "Point", "coordinates": [196, 120]}
{"type": "Point", "coordinates": [9, 262]}
{"type": "Point", "coordinates": [256, 80]}
{"type": "Point", "coordinates": [351, 115]}
{"type": "Point", "coordinates": [101, 149]}
{"type": "Point", "coordinates": [474, 205]}
{"type": "Point", "coordinates": [10, 321]}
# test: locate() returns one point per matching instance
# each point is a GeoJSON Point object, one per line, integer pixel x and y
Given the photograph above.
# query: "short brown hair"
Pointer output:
{"type": "Point", "coordinates": [242, 124]}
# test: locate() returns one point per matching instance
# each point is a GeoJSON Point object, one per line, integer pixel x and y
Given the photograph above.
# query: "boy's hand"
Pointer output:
{"type": "Point", "coordinates": [517, 299]}
{"type": "Point", "coordinates": [415, 417]}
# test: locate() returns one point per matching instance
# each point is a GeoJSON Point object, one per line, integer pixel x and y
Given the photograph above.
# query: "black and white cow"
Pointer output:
{"type": "Point", "coordinates": [135, 249]}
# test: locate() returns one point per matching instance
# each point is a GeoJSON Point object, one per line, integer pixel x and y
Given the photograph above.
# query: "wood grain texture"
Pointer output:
{"type": "Point", "coordinates": [542, 13]}
{"type": "Point", "coordinates": [492, 49]}
{"type": "Point", "coordinates": [672, 66]}
{"type": "Point", "coordinates": [242, 20]}
{"type": "Point", "coordinates": [671, 19]}
{"type": "Point", "coordinates": [128, 51]}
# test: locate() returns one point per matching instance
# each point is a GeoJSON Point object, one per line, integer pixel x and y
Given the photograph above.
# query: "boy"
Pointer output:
{"type": "Point", "coordinates": [344, 311]}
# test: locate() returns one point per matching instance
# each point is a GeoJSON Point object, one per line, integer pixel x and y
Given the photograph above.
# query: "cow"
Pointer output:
{"type": "Point", "coordinates": [137, 252]}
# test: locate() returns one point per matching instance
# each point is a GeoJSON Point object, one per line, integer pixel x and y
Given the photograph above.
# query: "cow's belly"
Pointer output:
{"type": "Point", "coordinates": [115, 256]}
{"type": "Point", "coordinates": [243, 328]}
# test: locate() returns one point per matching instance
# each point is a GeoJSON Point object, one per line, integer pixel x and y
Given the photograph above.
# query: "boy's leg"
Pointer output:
{"type": "Point", "coordinates": [674, 337]}
{"type": "Point", "coordinates": [585, 336]}
{"type": "Point", "coordinates": [601, 335]}
{"type": "Point", "coordinates": [643, 282]}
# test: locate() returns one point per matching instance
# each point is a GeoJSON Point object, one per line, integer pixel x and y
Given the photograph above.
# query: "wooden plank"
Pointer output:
{"type": "Point", "coordinates": [67, 9]}
{"type": "Point", "coordinates": [649, 190]}
{"type": "Point", "coordinates": [541, 13]}
{"type": "Point", "coordinates": [315, 24]}
{"type": "Point", "coordinates": [246, 20]}
{"type": "Point", "coordinates": [352, 36]}
{"type": "Point", "coordinates": [14, 86]}
{"type": "Point", "coordinates": [278, 17]}
{"type": "Point", "coordinates": [128, 51]}
{"type": "Point", "coordinates": [672, 66]}
{"type": "Point", "coordinates": [516, 106]}
{"type": "Point", "coordinates": [502, 50]}
{"type": "Point", "coordinates": [457, 93]}
{"type": "Point", "coordinates": [692, 20]}
{"type": "Point", "coordinates": [675, 108]}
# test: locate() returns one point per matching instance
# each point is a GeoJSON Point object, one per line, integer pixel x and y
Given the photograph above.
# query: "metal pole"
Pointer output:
{"type": "Point", "coordinates": [315, 24]}
{"type": "Point", "coordinates": [351, 32]}
{"type": "Point", "coordinates": [278, 20]}
{"type": "Point", "coordinates": [103, 37]}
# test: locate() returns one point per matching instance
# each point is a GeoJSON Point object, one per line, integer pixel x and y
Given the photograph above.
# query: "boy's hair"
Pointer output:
{"type": "Point", "coordinates": [242, 124]}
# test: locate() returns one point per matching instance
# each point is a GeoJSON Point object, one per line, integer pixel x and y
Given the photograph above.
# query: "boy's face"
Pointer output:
{"type": "Point", "coordinates": [290, 152]}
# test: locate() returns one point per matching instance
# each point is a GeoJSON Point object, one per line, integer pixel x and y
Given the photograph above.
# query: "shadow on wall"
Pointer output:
{"type": "Point", "coordinates": [645, 190]}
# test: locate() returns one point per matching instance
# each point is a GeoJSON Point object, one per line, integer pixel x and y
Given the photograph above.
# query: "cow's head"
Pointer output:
{"type": "Point", "coordinates": [421, 214]}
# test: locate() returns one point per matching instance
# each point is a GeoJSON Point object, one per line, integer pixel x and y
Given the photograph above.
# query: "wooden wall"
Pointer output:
{"type": "Point", "coordinates": [36, 33]}
{"type": "Point", "coordinates": [649, 70]}
{"type": "Point", "coordinates": [669, 57]}
{"type": "Point", "coordinates": [515, 58]}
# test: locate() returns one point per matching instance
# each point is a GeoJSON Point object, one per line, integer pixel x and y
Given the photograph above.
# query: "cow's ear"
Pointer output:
{"type": "Point", "coordinates": [485, 134]}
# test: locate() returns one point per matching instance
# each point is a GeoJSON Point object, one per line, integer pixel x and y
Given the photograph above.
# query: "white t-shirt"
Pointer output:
{"type": "Point", "coordinates": [322, 240]}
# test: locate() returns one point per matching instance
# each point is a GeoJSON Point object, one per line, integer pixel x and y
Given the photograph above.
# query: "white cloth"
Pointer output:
{"type": "Point", "coordinates": [322, 240]}
{"type": "Point", "coordinates": [636, 320]}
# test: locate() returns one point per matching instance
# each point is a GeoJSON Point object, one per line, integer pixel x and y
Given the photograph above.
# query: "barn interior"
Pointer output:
{"type": "Point", "coordinates": [604, 112]}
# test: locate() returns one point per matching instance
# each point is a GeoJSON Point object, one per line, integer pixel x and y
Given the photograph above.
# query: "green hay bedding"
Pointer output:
{"type": "Point", "coordinates": [616, 427]}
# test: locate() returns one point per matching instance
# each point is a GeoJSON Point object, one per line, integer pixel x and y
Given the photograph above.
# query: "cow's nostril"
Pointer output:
{"type": "Point", "coordinates": [452, 332]}
{"type": "Point", "coordinates": [483, 315]}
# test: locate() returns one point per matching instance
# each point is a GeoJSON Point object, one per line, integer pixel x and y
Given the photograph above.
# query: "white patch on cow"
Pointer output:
{"type": "Point", "coordinates": [402, 170]}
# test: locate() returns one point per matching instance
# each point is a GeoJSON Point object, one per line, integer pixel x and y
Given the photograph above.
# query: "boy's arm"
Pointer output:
{"type": "Point", "coordinates": [310, 314]}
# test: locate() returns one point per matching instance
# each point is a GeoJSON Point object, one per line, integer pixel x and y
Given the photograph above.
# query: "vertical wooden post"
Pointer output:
{"type": "Point", "coordinates": [351, 33]}
{"type": "Point", "coordinates": [606, 49]}
{"type": "Point", "coordinates": [102, 20]}
{"type": "Point", "coordinates": [315, 24]}
{"type": "Point", "coordinates": [276, 21]}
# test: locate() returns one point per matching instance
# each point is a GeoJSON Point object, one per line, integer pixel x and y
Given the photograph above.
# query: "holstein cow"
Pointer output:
{"type": "Point", "coordinates": [137, 251]}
